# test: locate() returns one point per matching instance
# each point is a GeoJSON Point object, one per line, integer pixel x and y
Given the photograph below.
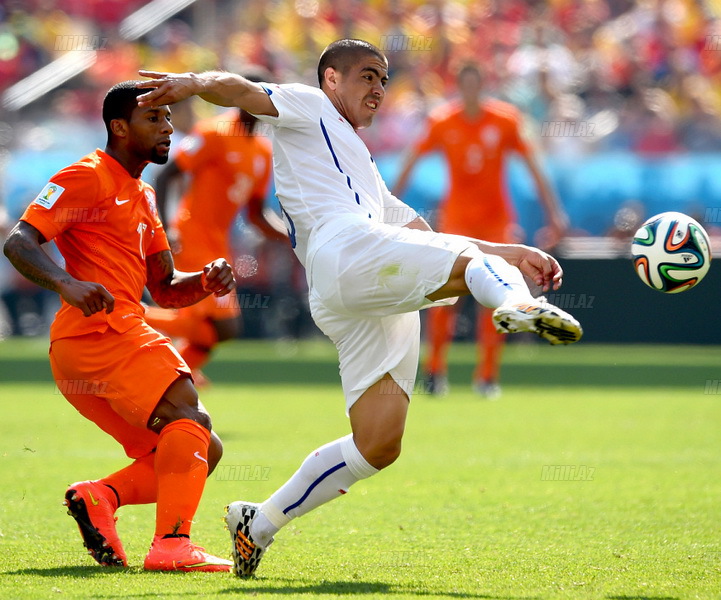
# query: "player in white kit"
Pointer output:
{"type": "Point", "coordinates": [371, 264]}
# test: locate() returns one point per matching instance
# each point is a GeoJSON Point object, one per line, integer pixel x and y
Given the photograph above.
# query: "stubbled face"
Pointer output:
{"type": "Point", "coordinates": [359, 93]}
{"type": "Point", "coordinates": [149, 133]}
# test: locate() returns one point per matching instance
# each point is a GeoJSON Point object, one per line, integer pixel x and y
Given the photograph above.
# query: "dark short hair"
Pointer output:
{"type": "Point", "coordinates": [341, 54]}
{"type": "Point", "coordinates": [469, 68]}
{"type": "Point", "coordinates": [120, 101]}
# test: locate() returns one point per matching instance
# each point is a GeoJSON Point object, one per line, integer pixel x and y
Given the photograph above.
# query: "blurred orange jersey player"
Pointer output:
{"type": "Point", "coordinates": [108, 363]}
{"type": "Point", "coordinates": [229, 168]}
{"type": "Point", "coordinates": [476, 137]}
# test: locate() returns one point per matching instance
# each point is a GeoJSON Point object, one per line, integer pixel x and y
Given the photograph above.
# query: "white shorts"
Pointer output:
{"type": "Point", "coordinates": [366, 287]}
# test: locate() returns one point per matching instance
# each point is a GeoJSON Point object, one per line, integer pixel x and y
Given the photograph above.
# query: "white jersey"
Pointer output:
{"type": "Point", "coordinates": [326, 179]}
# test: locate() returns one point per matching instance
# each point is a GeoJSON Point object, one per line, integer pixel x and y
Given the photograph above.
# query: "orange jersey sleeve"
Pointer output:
{"type": "Point", "coordinates": [105, 224]}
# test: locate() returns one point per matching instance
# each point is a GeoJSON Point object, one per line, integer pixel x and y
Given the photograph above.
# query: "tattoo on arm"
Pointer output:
{"type": "Point", "coordinates": [23, 249]}
{"type": "Point", "coordinates": [171, 288]}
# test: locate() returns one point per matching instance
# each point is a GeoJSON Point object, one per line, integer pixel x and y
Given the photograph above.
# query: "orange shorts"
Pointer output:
{"type": "Point", "coordinates": [117, 379]}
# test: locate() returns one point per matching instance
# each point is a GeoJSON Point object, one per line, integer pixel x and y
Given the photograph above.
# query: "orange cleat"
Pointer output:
{"type": "Point", "coordinates": [180, 554]}
{"type": "Point", "coordinates": [93, 505]}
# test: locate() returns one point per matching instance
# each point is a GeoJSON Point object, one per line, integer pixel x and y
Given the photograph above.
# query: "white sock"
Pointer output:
{"type": "Point", "coordinates": [493, 281]}
{"type": "Point", "coordinates": [325, 474]}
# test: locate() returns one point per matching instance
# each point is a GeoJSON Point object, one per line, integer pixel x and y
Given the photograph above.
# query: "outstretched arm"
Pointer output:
{"type": "Point", "coordinates": [557, 218]}
{"type": "Point", "coordinates": [217, 87]}
{"type": "Point", "coordinates": [23, 249]}
{"type": "Point", "coordinates": [175, 289]}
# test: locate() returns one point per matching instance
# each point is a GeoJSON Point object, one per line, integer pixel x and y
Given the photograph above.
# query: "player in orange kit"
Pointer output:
{"type": "Point", "coordinates": [476, 137]}
{"type": "Point", "coordinates": [108, 363]}
{"type": "Point", "coordinates": [229, 166]}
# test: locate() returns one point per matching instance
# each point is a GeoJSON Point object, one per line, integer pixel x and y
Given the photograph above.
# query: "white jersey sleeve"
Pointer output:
{"type": "Point", "coordinates": [297, 104]}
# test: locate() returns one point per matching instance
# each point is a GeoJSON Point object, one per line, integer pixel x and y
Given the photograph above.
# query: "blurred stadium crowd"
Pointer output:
{"type": "Point", "coordinates": [633, 79]}
{"type": "Point", "coordinates": [647, 72]}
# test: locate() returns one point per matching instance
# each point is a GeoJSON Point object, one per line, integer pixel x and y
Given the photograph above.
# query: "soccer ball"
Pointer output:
{"type": "Point", "coordinates": [671, 252]}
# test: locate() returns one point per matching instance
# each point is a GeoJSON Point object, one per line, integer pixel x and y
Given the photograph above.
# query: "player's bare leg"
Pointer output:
{"type": "Point", "coordinates": [377, 419]}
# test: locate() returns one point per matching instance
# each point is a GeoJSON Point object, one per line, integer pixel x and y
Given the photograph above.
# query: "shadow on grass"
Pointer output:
{"type": "Point", "coordinates": [81, 572]}
{"type": "Point", "coordinates": [642, 598]}
{"type": "Point", "coordinates": [279, 586]}
{"type": "Point", "coordinates": [293, 587]}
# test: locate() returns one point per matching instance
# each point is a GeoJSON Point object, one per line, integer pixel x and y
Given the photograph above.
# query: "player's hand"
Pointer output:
{"type": "Point", "coordinates": [168, 88]}
{"type": "Point", "coordinates": [218, 277]}
{"type": "Point", "coordinates": [538, 265]}
{"type": "Point", "coordinates": [88, 296]}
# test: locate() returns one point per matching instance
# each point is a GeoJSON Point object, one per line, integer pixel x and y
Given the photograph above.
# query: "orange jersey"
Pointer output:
{"type": "Point", "coordinates": [227, 167]}
{"type": "Point", "coordinates": [104, 223]}
{"type": "Point", "coordinates": [475, 151]}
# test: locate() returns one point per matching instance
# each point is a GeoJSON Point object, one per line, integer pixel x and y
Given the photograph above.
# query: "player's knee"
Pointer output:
{"type": "Point", "coordinates": [456, 284]}
{"type": "Point", "coordinates": [180, 401]}
{"type": "Point", "coordinates": [202, 418]}
{"type": "Point", "coordinates": [383, 454]}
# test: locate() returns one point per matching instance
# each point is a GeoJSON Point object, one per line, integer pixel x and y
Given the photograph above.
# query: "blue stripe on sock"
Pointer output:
{"type": "Point", "coordinates": [312, 486]}
{"type": "Point", "coordinates": [496, 275]}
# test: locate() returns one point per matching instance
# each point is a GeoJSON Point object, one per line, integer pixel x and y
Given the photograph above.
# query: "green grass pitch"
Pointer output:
{"type": "Point", "coordinates": [597, 475]}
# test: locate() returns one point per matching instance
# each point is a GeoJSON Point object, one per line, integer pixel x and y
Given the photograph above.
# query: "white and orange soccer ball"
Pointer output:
{"type": "Point", "coordinates": [671, 252]}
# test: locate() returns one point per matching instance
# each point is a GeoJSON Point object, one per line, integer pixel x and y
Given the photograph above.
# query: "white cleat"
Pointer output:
{"type": "Point", "coordinates": [246, 553]}
{"type": "Point", "coordinates": [539, 317]}
{"type": "Point", "coordinates": [488, 390]}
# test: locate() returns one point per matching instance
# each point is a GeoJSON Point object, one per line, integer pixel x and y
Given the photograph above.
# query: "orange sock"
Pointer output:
{"type": "Point", "coordinates": [490, 348]}
{"type": "Point", "coordinates": [440, 323]}
{"type": "Point", "coordinates": [181, 465]}
{"type": "Point", "coordinates": [182, 324]}
{"type": "Point", "coordinates": [194, 355]}
{"type": "Point", "coordinates": [136, 483]}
